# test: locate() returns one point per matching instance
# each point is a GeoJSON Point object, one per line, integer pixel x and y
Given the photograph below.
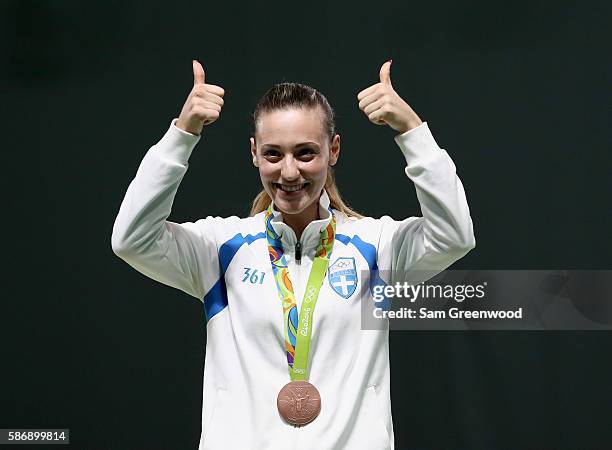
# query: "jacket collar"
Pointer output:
{"type": "Point", "coordinates": [311, 234]}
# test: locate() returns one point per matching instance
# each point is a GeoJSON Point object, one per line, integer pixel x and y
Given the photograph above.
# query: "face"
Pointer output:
{"type": "Point", "coordinates": [293, 154]}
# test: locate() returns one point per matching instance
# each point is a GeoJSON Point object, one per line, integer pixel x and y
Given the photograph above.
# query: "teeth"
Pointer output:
{"type": "Point", "coordinates": [293, 188]}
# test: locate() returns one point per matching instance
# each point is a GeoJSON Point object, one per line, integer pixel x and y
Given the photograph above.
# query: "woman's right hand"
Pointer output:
{"type": "Point", "coordinates": [203, 104]}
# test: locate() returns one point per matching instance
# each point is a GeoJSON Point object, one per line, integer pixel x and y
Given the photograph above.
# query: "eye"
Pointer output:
{"type": "Point", "coordinates": [272, 154]}
{"type": "Point", "coordinates": [306, 153]}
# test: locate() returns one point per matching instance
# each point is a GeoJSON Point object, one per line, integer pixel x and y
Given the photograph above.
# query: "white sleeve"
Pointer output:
{"type": "Point", "coordinates": [444, 233]}
{"type": "Point", "coordinates": [183, 255]}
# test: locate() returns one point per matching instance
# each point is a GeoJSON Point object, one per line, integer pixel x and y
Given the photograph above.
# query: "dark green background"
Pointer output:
{"type": "Point", "coordinates": [517, 93]}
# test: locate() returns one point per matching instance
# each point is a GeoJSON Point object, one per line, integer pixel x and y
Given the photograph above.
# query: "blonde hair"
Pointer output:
{"type": "Point", "coordinates": [296, 95]}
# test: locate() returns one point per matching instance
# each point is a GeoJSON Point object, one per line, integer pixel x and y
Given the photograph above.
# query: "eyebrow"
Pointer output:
{"type": "Point", "coordinates": [296, 145]}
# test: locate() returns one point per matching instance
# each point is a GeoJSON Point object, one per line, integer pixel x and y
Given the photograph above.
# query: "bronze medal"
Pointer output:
{"type": "Point", "coordinates": [299, 403]}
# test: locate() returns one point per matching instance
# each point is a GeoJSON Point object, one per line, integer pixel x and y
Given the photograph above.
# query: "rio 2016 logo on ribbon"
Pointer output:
{"type": "Point", "coordinates": [342, 276]}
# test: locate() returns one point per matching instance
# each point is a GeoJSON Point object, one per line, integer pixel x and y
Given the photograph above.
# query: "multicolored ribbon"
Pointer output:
{"type": "Point", "coordinates": [298, 329]}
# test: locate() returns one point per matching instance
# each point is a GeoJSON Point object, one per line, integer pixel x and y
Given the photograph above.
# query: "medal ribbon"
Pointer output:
{"type": "Point", "coordinates": [298, 330]}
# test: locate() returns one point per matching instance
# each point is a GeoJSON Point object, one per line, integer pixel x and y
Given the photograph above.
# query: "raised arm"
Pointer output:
{"type": "Point", "coordinates": [444, 233]}
{"type": "Point", "coordinates": [179, 255]}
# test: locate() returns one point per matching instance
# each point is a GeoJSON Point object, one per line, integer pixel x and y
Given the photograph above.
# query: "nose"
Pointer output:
{"type": "Point", "coordinates": [290, 171]}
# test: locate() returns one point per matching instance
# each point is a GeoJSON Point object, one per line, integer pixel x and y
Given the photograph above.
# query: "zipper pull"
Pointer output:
{"type": "Point", "coordinates": [298, 251]}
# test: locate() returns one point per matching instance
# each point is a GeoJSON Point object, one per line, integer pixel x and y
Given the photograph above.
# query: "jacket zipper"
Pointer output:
{"type": "Point", "coordinates": [298, 252]}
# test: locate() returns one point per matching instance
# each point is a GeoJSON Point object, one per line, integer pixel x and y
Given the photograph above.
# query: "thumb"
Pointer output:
{"type": "Point", "coordinates": [198, 73]}
{"type": "Point", "coordinates": [385, 72]}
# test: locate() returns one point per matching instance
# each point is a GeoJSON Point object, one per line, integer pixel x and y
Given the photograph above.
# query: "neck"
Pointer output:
{"type": "Point", "coordinates": [299, 222]}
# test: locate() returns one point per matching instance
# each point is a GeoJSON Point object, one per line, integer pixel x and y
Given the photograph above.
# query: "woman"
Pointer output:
{"type": "Point", "coordinates": [279, 374]}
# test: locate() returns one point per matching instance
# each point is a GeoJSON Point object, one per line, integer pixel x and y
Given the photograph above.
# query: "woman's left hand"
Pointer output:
{"type": "Point", "coordinates": [384, 106]}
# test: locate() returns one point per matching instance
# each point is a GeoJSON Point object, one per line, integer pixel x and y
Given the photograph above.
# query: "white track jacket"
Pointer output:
{"type": "Point", "coordinates": [224, 263]}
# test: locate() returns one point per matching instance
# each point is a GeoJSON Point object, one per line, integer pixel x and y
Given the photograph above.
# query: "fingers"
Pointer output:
{"type": "Point", "coordinates": [385, 73]}
{"type": "Point", "coordinates": [204, 112]}
{"type": "Point", "coordinates": [217, 90]}
{"type": "Point", "coordinates": [367, 91]}
{"type": "Point", "coordinates": [199, 80]}
{"type": "Point", "coordinates": [203, 104]}
{"type": "Point", "coordinates": [385, 80]}
{"type": "Point", "coordinates": [373, 106]}
{"type": "Point", "coordinates": [365, 101]}
{"type": "Point", "coordinates": [198, 73]}
{"type": "Point", "coordinates": [208, 90]}
{"type": "Point", "coordinates": [374, 100]}
{"type": "Point", "coordinates": [208, 95]}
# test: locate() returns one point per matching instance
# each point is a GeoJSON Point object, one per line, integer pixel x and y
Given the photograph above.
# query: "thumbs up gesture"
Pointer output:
{"type": "Point", "coordinates": [384, 106]}
{"type": "Point", "coordinates": [203, 105]}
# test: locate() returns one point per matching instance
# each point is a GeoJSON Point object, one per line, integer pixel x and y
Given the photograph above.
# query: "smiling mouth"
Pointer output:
{"type": "Point", "coordinates": [290, 187]}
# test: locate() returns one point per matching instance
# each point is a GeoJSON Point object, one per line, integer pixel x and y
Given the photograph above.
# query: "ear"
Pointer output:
{"type": "Point", "coordinates": [254, 152]}
{"type": "Point", "coordinates": [334, 150]}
